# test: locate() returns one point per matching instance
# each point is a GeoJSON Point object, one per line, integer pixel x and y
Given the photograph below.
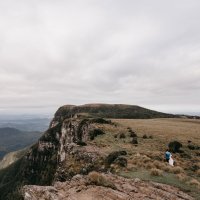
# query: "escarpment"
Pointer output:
{"type": "Point", "coordinates": [78, 142]}
{"type": "Point", "coordinates": [59, 149]}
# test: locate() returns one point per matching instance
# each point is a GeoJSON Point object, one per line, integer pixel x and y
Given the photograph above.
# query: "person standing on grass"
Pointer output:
{"type": "Point", "coordinates": [167, 155]}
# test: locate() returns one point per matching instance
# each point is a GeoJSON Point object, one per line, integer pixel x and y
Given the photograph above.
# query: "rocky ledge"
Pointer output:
{"type": "Point", "coordinates": [100, 186]}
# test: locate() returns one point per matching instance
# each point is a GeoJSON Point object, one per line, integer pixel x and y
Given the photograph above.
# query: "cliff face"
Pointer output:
{"type": "Point", "coordinates": [58, 155]}
{"type": "Point", "coordinates": [62, 146]}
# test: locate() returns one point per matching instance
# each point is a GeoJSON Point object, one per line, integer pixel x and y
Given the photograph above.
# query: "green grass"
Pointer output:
{"type": "Point", "coordinates": [167, 178]}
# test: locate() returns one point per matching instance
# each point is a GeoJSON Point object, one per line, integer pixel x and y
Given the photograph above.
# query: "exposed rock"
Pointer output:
{"type": "Point", "coordinates": [81, 187]}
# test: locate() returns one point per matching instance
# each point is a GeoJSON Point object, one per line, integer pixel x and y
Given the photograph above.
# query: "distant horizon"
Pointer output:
{"type": "Point", "coordinates": [45, 112]}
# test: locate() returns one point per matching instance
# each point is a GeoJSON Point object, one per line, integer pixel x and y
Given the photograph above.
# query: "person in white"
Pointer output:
{"type": "Point", "coordinates": [171, 161]}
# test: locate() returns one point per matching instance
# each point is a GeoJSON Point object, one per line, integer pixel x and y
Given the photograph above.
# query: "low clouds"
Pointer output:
{"type": "Point", "coordinates": [75, 52]}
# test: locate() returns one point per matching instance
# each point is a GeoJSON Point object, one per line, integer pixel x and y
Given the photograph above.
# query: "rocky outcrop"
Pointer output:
{"type": "Point", "coordinates": [85, 188]}
{"type": "Point", "coordinates": [59, 151]}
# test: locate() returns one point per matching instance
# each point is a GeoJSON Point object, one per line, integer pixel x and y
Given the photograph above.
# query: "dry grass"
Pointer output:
{"type": "Point", "coordinates": [198, 172]}
{"type": "Point", "coordinates": [148, 155]}
{"type": "Point", "coordinates": [149, 166]}
{"type": "Point", "coordinates": [177, 170]}
{"type": "Point", "coordinates": [100, 180]}
{"type": "Point", "coordinates": [181, 129]}
{"type": "Point", "coordinates": [156, 172]}
{"type": "Point", "coordinates": [159, 165]}
{"type": "Point", "coordinates": [194, 182]}
{"type": "Point", "coordinates": [182, 177]}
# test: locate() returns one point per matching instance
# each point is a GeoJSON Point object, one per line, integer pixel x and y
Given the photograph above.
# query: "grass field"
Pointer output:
{"type": "Point", "coordinates": [146, 159]}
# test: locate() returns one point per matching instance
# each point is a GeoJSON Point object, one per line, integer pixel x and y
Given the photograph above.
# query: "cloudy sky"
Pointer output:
{"type": "Point", "coordinates": [111, 51]}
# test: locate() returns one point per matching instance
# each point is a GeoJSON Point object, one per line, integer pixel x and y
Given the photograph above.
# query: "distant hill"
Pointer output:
{"type": "Point", "coordinates": [117, 111]}
{"type": "Point", "coordinates": [25, 124]}
{"type": "Point", "coordinates": [12, 139]}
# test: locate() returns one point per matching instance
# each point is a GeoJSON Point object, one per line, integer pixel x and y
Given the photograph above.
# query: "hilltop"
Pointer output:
{"type": "Point", "coordinates": [114, 111]}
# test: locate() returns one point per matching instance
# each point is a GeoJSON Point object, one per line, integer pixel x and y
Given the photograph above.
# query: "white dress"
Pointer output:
{"type": "Point", "coordinates": [171, 161]}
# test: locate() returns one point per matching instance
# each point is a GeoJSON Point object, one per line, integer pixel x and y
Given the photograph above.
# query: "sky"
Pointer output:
{"type": "Point", "coordinates": [61, 52]}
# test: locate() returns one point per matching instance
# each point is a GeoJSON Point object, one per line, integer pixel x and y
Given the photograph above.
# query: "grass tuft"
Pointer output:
{"type": "Point", "coordinates": [100, 180]}
{"type": "Point", "coordinates": [156, 172]}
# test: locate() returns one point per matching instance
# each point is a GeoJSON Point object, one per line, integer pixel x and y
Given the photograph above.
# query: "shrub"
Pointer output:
{"type": "Point", "coordinates": [134, 141]}
{"type": "Point", "coordinates": [94, 133]}
{"type": "Point", "coordinates": [122, 135]}
{"type": "Point", "coordinates": [81, 143]}
{"type": "Point", "coordinates": [174, 146]}
{"type": "Point", "coordinates": [191, 147]}
{"type": "Point", "coordinates": [132, 134]}
{"type": "Point", "coordinates": [156, 172]}
{"type": "Point", "coordinates": [121, 161]}
{"type": "Point", "coordinates": [100, 180]}
{"type": "Point", "coordinates": [150, 137]}
{"type": "Point", "coordinates": [101, 121]}
{"type": "Point", "coordinates": [144, 136]}
{"type": "Point", "coordinates": [113, 156]}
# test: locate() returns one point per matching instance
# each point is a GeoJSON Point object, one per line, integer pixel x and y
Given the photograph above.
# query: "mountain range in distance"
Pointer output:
{"type": "Point", "coordinates": [13, 139]}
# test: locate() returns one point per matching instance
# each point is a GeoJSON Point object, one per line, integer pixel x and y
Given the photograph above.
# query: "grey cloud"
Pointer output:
{"type": "Point", "coordinates": [73, 52]}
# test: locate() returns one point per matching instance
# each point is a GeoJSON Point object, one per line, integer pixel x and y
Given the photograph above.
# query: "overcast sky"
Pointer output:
{"type": "Point", "coordinates": [137, 52]}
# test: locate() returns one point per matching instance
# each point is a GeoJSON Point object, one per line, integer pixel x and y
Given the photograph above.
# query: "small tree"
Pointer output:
{"type": "Point", "coordinates": [174, 146]}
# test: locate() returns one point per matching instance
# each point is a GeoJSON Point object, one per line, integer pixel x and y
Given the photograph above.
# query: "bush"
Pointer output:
{"type": "Point", "coordinates": [174, 146]}
{"type": "Point", "coordinates": [144, 136]}
{"type": "Point", "coordinates": [81, 143]}
{"type": "Point", "coordinates": [121, 161]}
{"type": "Point", "coordinates": [132, 134]}
{"type": "Point", "coordinates": [122, 135]}
{"type": "Point", "coordinates": [94, 133]}
{"type": "Point", "coordinates": [134, 141]}
{"type": "Point", "coordinates": [150, 137]}
{"type": "Point", "coordinates": [156, 172]}
{"type": "Point", "coordinates": [101, 121]}
{"type": "Point", "coordinates": [191, 147]}
{"type": "Point", "coordinates": [113, 156]}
